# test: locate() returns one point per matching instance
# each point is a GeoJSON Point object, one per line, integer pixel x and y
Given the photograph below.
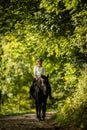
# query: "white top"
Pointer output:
{"type": "Point", "coordinates": [38, 71]}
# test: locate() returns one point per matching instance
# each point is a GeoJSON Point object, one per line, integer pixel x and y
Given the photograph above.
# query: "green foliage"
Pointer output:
{"type": "Point", "coordinates": [56, 31]}
{"type": "Point", "coordinates": [73, 111]}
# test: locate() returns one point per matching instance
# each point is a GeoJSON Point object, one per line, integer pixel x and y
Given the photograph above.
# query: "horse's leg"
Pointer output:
{"type": "Point", "coordinates": [37, 116]}
{"type": "Point", "coordinates": [39, 111]}
{"type": "Point", "coordinates": [43, 110]}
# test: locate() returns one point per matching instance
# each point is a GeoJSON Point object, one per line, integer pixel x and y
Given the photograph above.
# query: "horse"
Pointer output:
{"type": "Point", "coordinates": [40, 95]}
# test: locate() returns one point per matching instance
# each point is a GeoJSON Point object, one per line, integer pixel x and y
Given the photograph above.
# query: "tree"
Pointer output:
{"type": "Point", "coordinates": [54, 30]}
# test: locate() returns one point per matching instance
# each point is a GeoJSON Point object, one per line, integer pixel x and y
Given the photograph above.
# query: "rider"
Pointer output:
{"type": "Point", "coordinates": [38, 71]}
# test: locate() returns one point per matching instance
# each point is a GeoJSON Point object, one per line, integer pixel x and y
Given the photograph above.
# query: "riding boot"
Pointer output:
{"type": "Point", "coordinates": [50, 96]}
{"type": "Point", "coordinates": [49, 91]}
{"type": "Point", "coordinates": [31, 92]}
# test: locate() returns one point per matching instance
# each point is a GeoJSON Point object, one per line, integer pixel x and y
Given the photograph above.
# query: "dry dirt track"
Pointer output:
{"type": "Point", "coordinates": [27, 122]}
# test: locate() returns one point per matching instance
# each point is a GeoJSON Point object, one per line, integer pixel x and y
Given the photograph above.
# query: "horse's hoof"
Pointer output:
{"type": "Point", "coordinates": [43, 119]}
{"type": "Point", "coordinates": [38, 119]}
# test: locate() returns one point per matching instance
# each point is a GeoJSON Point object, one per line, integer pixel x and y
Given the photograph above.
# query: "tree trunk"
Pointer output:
{"type": "Point", "coordinates": [0, 100]}
{"type": "Point", "coordinates": [18, 102]}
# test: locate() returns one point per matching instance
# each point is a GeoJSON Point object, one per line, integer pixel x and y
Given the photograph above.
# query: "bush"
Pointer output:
{"type": "Point", "coordinates": [74, 110]}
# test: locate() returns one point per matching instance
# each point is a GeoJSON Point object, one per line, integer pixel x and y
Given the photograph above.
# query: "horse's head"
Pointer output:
{"type": "Point", "coordinates": [45, 78]}
{"type": "Point", "coordinates": [42, 84]}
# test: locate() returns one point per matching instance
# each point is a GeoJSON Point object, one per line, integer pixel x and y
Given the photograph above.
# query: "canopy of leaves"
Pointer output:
{"type": "Point", "coordinates": [56, 31]}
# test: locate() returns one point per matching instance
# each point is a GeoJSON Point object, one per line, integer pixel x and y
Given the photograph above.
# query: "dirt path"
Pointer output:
{"type": "Point", "coordinates": [27, 122]}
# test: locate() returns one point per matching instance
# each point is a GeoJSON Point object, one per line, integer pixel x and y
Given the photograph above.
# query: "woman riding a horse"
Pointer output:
{"type": "Point", "coordinates": [39, 72]}
{"type": "Point", "coordinates": [40, 90]}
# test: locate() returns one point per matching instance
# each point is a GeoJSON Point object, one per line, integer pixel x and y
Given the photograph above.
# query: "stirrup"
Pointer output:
{"type": "Point", "coordinates": [29, 97]}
